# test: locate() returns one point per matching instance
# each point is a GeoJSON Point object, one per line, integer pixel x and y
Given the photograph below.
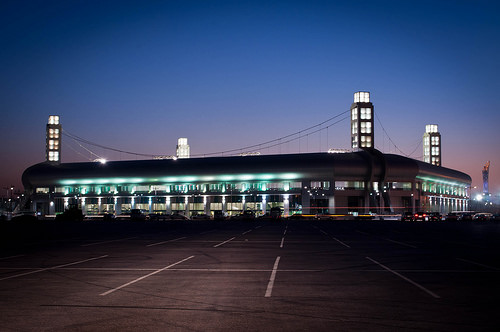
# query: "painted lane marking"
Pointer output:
{"type": "Point", "coordinates": [394, 241]}
{"type": "Point", "coordinates": [157, 244]}
{"type": "Point", "coordinates": [110, 241]}
{"type": "Point", "coordinates": [283, 238]}
{"type": "Point", "coordinates": [270, 285]}
{"type": "Point", "coordinates": [405, 278]}
{"type": "Point", "coordinates": [218, 245]}
{"type": "Point", "coordinates": [52, 268]}
{"type": "Point", "coordinates": [334, 238]}
{"type": "Point", "coordinates": [322, 231]}
{"type": "Point", "coordinates": [247, 231]}
{"type": "Point", "coordinates": [401, 243]}
{"type": "Point", "coordinates": [144, 277]}
{"type": "Point", "coordinates": [342, 243]}
{"type": "Point", "coordinates": [9, 257]}
{"type": "Point", "coordinates": [478, 264]}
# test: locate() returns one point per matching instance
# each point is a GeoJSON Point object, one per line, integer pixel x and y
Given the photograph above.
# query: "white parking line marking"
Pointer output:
{"type": "Point", "coordinates": [478, 264]}
{"type": "Point", "coordinates": [9, 257]}
{"type": "Point", "coordinates": [218, 245]}
{"type": "Point", "coordinates": [270, 285]}
{"type": "Point", "coordinates": [342, 243]}
{"type": "Point", "coordinates": [247, 231]}
{"type": "Point", "coordinates": [52, 268]}
{"type": "Point", "coordinates": [102, 242]}
{"type": "Point", "coordinates": [405, 278]}
{"type": "Point", "coordinates": [144, 277]}
{"type": "Point", "coordinates": [157, 244]}
{"type": "Point", "coordinates": [283, 238]}
{"type": "Point", "coordinates": [402, 243]}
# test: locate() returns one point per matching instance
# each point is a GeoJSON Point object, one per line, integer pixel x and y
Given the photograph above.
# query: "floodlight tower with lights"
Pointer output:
{"type": "Point", "coordinates": [182, 148]}
{"type": "Point", "coordinates": [432, 145]}
{"type": "Point", "coordinates": [53, 140]}
{"type": "Point", "coordinates": [362, 121]}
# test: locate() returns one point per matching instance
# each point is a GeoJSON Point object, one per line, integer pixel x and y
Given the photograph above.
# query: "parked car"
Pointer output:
{"type": "Point", "coordinates": [276, 213]}
{"type": "Point", "coordinates": [245, 215]}
{"type": "Point", "coordinates": [435, 216]}
{"type": "Point", "coordinates": [106, 216]}
{"type": "Point", "coordinates": [178, 216]}
{"type": "Point", "coordinates": [407, 216]}
{"type": "Point", "coordinates": [158, 217]}
{"type": "Point", "coordinates": [200, 216]}
{"type": "Point", "coordinates": [137, 215]}
{"type": "Point", "coordinates": [220, 215]}
{"type": "Point", "coordinates": [452, 216]}
{"type": "Point", "coordinates": [72, 213]}
{"type": "Point", "coordinates": [421, 216]}
{"type": "Point", "coordinates": [466, 216]}
{"type": "Point", "coordinates": [482, 217]}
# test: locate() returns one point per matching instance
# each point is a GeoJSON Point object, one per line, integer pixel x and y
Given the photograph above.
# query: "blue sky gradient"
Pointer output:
{"type": "Point", "coordinates": [137, 75]}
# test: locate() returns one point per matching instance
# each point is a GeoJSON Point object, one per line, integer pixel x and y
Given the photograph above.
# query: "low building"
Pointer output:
{"type": "Point", "coordinates": [334, 183]}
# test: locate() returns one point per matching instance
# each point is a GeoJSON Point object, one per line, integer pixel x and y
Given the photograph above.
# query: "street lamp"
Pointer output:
{"type": "Point", "coordinates": [10, 200]}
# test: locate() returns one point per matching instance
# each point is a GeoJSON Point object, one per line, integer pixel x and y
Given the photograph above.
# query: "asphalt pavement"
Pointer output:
{"type": "Point", "coordinates": [249, 276]}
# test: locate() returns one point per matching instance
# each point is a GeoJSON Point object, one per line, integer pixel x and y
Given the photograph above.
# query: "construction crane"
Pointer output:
{"type": "Point", "coordinates": [486, 172]}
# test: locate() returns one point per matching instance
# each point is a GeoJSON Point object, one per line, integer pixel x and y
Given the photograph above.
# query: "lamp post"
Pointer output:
{"type": "Point", "coordinates": [11, 190]}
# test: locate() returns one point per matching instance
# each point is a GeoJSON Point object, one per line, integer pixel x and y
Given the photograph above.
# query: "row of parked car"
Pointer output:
{"type": "Point", "coordinates": [452, 216]}
{"type": "Point", "coordinates": [138, 215]}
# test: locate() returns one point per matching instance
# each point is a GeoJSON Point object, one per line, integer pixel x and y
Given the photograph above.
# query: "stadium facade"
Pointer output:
{"type": "Point", "coordinates": [334, 183]}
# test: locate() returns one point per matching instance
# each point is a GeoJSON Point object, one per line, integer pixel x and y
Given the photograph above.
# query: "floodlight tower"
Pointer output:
{"type": "Point", "coordinates": [53, 140]}
{"type": "Point", "coordinates": [182, 148]}
{"type": "Point", "coordinates": [362, 121]}
{"type": "Point", "coordinates": [432, 145]}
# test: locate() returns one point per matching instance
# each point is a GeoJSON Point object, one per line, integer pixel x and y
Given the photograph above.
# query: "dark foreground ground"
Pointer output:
{"type": "Point", "coordinates": [249, 276]}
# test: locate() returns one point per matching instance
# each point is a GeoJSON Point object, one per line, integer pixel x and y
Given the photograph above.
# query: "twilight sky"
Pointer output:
{"type": "Point", "coordinates": [137, 75]}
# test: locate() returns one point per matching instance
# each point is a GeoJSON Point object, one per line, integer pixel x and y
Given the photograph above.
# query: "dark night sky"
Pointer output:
{"type": "Point", "coordinates": [136, 75]}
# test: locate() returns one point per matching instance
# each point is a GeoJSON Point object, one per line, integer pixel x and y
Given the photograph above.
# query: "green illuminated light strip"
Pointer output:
{"type": "Point", "coordinates": [184, 179]}
{"type": "Point", "coordinates": [436, 180]}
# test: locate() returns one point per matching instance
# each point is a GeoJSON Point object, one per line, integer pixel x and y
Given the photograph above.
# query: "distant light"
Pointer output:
{"type": "Point", "coordinates": [431, 128]}
{"type": "Point", "coordinates": [339, 151]}
{"type": "Point", "coordinates": [54, 119]}
{"type": "Point", "coordinates": [479, 197]}
{"type": "Point", "coordinates": [362, 97]}
{"type": "Point", "coordinates": [244, 154]}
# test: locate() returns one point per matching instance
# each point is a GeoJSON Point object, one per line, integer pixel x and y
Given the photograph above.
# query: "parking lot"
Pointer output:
{"type": "Point", "coordinates": [258, 276]}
